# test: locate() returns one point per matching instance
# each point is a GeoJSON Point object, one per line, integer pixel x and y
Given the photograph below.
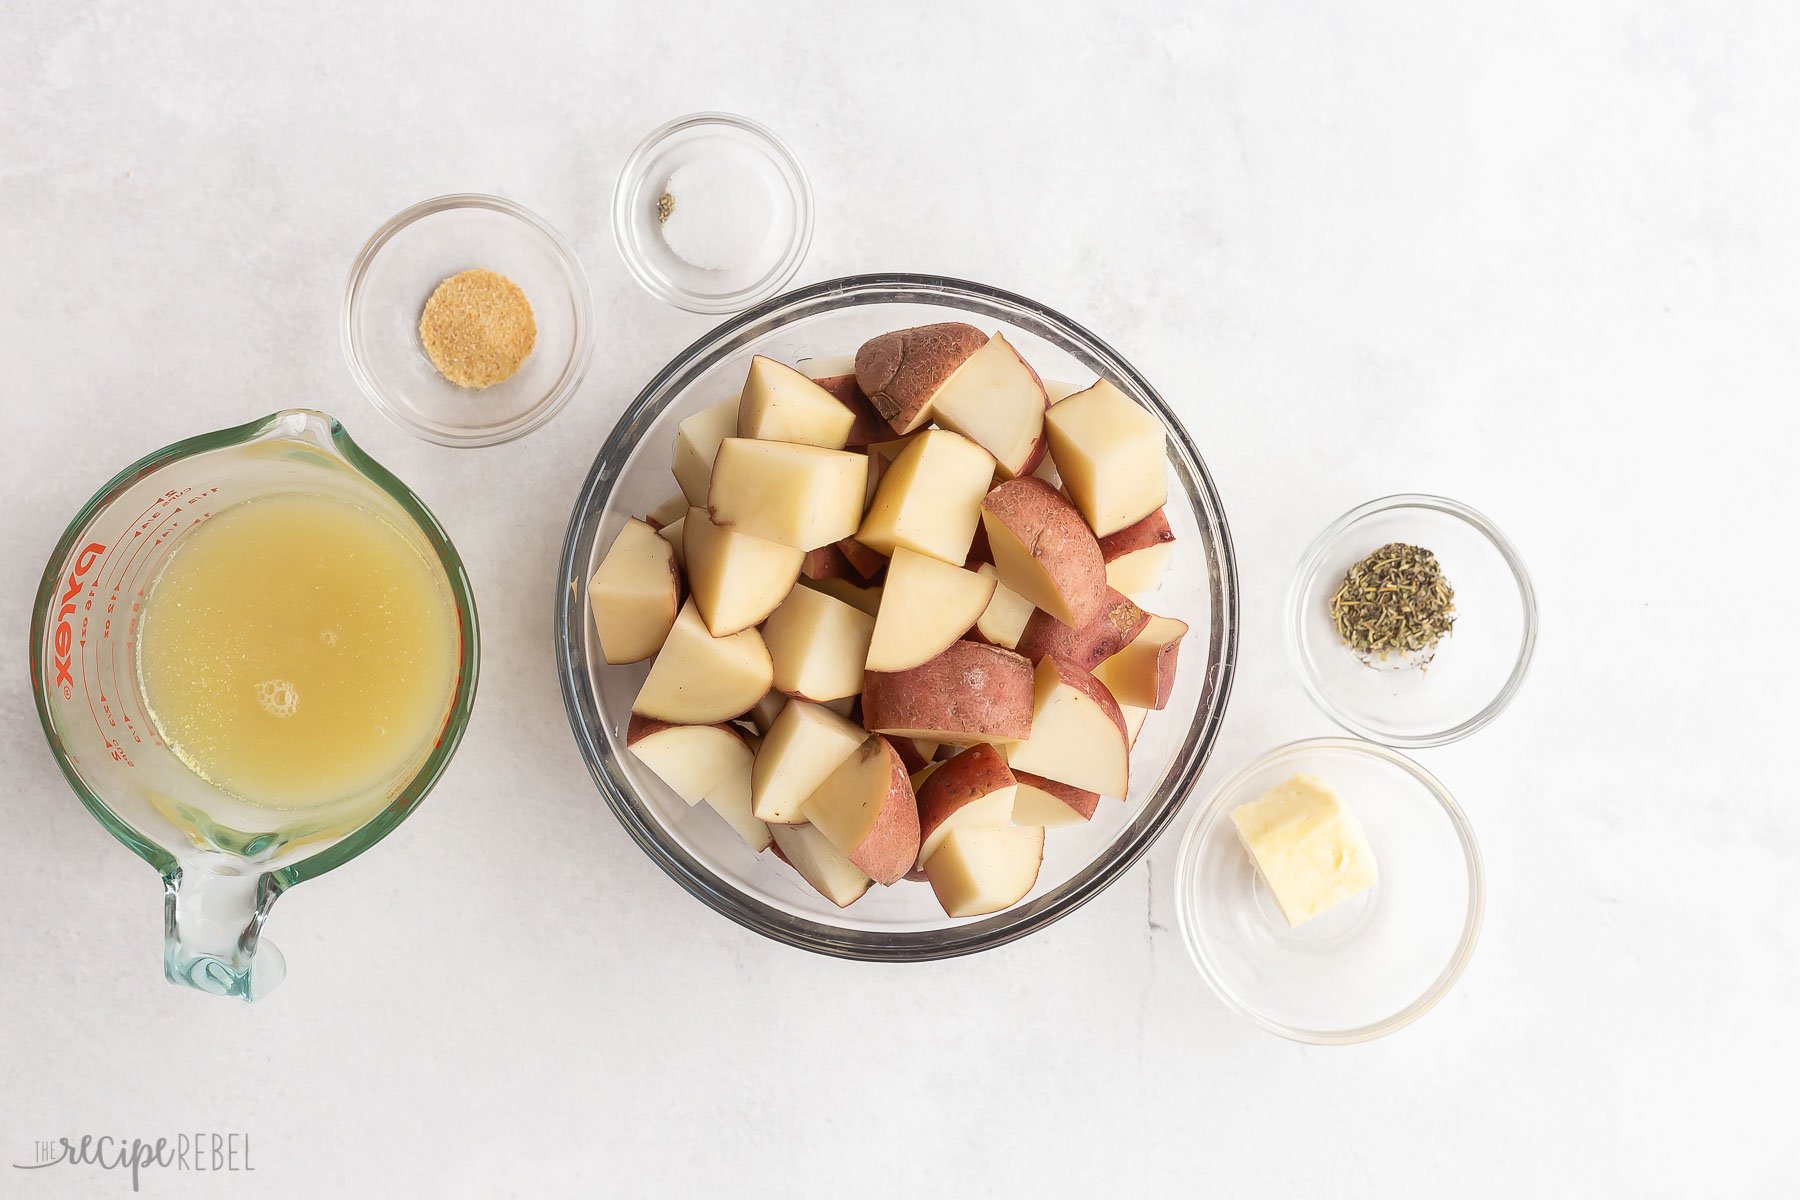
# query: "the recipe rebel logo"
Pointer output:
{"type": "Point", "coordinates": [190, 1152]}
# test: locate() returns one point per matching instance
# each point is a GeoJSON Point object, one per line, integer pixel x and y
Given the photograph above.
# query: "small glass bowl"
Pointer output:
{"type": "Point", "coordinates": [657, 268]}
{"type": "Point", "coordinates": [1473, 673]}
{"type": "Point", "coordinates": [1374, 963]}
{"type": "Point", "coordinates": [394, 276]}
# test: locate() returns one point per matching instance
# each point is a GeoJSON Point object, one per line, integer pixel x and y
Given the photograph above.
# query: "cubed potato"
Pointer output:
{"type": "Point", "coordinates": [1134, 718]}
{"type": "Point", "coordinates": [926, 605]}
{"type": "Point", "coordinates": [780, 404]}
{"type": "Point", "coordinates": [801, 496]}
{"type": "Point", "coordinates": [803, 747]}
{"type": "Point", "coordinates": [708, 763]}
{"type": "Point", "coordinates": [900, 372]}
{"type": "Point", "coordinates": [731, 800]}
{"type": "Point", "coordinates": [819, 644]}
{"type": "Point", "coordinates": [929, 500]}
{"type": "Point", "coordinates": [973, 788]}
{"type": "Point", "coordinates": [970, 693]}
{"type": "Point", "coordinates": [698, 679]}
{"type": "Point", "coordinates": [1138, 555]}
{"type": "Point", "coordinates": [1143, 672]}
{"type": "Point", "coordinates": [916, 753]}
{"type": "Point", "coordinates": [1077, 733]}
{"type": "Point", "coordinates": [736, 579]}
{"type": "Point", "coordinates": [1044, 550]}
{"type": "Point", "coordinates": [691, 759]}
{"type": "Point", "coordinates": [1045, 802]}
{"type": "Point", "coordinates": [838, 377]}
{"type": "Point", "coordinates": [1004, 619]}
{"type": "Point", "coordinates": [1118, 621]}
{"type": "Point", "coordinates": [982, 869]}
{"type": "Point", "coordinates": [996, 401]}
{"type": "Point", "coordinates": [697, 444]}
{"type": "Point", "coordinates": [634, 594]}
{"type": "Point", "coordinates": [866, 808]}
{"type": "Point", "coordinates": [821, 864]}
{"type": "Point", "coordinates": [1112, 455]}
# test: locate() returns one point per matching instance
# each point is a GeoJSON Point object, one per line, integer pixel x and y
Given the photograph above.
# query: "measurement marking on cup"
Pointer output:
{"type": "Point", "coordinates": [110, 661]}
{"type": "Point", "coordinates": [148, 523]}
{"type": "Point", "coordinates": [109, 703]}
{"type": "Point", "coordinates": [164, 528]}
{"type": "Point", "coordinates": [131, 633]}
{"type": "Point", "coordinates": [136, 522]}
{"type": "Point", "coordinates": [142, 543]}
{"type": "Point", "coordinates": [163, 535]}
{"type": "Point", "coordinates": [113, 751]}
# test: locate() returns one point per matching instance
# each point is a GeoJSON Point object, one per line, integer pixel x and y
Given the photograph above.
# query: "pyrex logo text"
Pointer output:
{"type": "Point", "coordinates": [65, 633]}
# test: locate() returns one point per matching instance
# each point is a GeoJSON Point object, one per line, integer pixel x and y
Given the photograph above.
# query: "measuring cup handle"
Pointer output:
{"type": "Point", "coordinates": [212, 932]}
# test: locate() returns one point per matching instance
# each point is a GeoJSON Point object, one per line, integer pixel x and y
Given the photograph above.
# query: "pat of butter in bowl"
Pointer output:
{"type": "Point", "coordinates": [1307, 846]}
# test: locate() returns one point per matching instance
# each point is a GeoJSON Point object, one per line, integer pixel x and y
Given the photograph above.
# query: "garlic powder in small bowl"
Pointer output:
{"type": "Point", "coordinates": [493, 361]}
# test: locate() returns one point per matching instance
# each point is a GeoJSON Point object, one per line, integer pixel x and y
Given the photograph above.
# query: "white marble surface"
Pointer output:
{"type": "Point", "coordinates": [1540, 258]}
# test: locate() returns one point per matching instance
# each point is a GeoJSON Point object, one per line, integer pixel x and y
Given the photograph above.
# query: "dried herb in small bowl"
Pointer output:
{"type": "Point", "coordinates": [1395, 602]}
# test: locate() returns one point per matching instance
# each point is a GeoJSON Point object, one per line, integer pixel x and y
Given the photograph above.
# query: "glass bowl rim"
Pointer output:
{"type": "Point", "coordinates": [581, 353]}
{"type": "Point", "coordinates": [1296, 616]}
{"type": "Point", "coordinates": [775, 278]}
{"type": "Point", "coordinates": [569, 619]}
{"type": "Point", "coordinates": [1213, 809]}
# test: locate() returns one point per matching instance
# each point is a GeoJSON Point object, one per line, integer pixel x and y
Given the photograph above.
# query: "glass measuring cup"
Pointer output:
{"type": "Point", "coordinates": [224, 861]}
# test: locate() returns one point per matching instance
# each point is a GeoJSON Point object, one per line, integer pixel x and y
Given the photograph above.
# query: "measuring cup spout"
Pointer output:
{"type": "Point", "coordinates": [212, 931]}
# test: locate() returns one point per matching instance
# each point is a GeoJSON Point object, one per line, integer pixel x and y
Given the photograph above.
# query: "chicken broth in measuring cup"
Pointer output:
{"type": "Point", "coordinates": [298, 651]}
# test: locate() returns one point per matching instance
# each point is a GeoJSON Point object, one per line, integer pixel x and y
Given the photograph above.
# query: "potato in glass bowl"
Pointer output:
{"type": "Point", "coordinates": [1046, 719]}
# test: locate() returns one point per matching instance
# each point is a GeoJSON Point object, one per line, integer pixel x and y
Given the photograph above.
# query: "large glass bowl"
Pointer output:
{"type": "Point", "coordinates": [903, 922]}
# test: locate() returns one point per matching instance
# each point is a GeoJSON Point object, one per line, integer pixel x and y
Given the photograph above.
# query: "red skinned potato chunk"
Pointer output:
{"type": "Point", "coordinates": [974, 788]}
{"type": "Point", "coordinates": [917, 755]}
{"type": "Point", "coordinates": [1041, 801]}
{"type": "Point", "coordinates": [980, 869]}
{"type": "Point", "coordinates": [1138, 554]}
{"type": "Point", "coordinates": [968, 694]}
{"type": "Point", "coordinates": [1044, 550]}
{"type": "Point", "coordinates": [865, 564]}
{"type": "Point", "coordinates": [868, 426]}
{"type": "Point", "coordinates": [901, 371]}
{"type": "Point", "coordinates": [1142, 674]}
{"type": "Point", "coordinates": [866, 808]}
{"type": "Point", "coordinates": [996, 400]}
{"type": "Point", "coordinates": [1078, 734]}
{"type": "Point", "coordinates": [1092, 644]}
{"type": "Point", "coordinates": [813, 857]}
{"type": "Point", "coordinates": [828, 562]}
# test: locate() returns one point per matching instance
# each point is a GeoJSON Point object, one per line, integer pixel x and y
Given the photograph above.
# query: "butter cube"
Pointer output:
{"type": "Point", "coordinates": [1307, 847]}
